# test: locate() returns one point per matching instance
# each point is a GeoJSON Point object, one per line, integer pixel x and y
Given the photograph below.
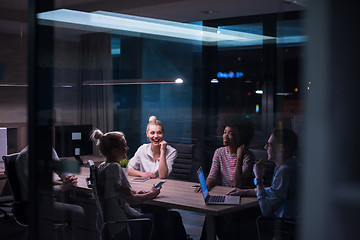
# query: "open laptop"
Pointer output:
{"type": "Point", "coordinates": [215, 199]}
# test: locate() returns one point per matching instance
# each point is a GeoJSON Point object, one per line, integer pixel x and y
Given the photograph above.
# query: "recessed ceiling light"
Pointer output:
{"type": "Point", "coordinates": [114, 82]}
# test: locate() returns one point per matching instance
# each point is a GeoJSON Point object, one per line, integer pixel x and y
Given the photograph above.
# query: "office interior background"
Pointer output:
{"type": "Point", "coordinates": [276, 62]}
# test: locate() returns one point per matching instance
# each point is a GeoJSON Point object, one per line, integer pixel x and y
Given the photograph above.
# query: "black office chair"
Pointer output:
{"type": "Point", "coordinates": [19, 207]}
{"type": "Point", "coordinates": [274, 228]}
{"type": "Point", "coordinates": [100, 223]}
{"type": "Point", "coordinates": [5, 200]}
{"type": "Point", "coordinates": [4, 204]}
{"type": "Point", "coordinates": [183, 164]}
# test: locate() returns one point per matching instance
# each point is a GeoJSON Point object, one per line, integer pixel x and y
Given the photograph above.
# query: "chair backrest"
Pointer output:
{"type": "Point", "coordinates": [19, 207]}
{"type": "Point", "coordinates": [10, 171]}
{"type": "Point", "coordinates": [182, 167]}
{"type": "Point", "coordinates": [276, 228]}
{"type": "Point", "coordinates": [92, 183]}
{"type": "Point", "coordinates": [100, 223]}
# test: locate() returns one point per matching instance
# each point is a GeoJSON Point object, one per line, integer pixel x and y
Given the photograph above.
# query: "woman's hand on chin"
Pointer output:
{"type": "Point", "coordinates": [163, 145]}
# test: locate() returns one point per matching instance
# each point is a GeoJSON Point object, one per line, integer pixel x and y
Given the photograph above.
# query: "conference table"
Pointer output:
{"type": "Point", "coordinates": [176, 194]}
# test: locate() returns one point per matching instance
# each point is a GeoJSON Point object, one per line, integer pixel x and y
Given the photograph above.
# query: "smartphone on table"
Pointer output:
{"type": "Point", "coordinates": [160, 183]}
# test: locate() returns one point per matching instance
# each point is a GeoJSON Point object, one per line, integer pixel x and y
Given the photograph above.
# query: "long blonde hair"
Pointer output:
{"type": "Point", "coordinates": [107, 141]}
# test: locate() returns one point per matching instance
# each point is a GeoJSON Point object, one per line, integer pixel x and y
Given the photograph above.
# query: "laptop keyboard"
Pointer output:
{"type": "Point", "coordinates": [217, 198]}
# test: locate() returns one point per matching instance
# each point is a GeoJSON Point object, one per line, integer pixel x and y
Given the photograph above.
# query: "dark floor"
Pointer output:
{"type": "Point", "coordinates": [193, 223]}
{"type": "Point", "coordinates": [10, 230]}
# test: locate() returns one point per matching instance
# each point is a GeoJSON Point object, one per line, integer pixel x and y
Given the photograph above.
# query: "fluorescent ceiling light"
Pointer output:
{"type": "Point", "coordinates": [113, 22]}
{"type": "Point", "coordinates": [291, 39]}
{"type": "Point", "coordinates": [63, 86]}
{"type": "Point", "coordinates": [26, 85]}
{"type": "Point", "coordinates": [129, 81]}
{"type": "Point", "coordinates": [13, 85]}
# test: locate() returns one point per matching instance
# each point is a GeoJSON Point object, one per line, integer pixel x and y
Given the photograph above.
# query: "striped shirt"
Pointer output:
{"type": "Point", "coordinates": [224, 163]}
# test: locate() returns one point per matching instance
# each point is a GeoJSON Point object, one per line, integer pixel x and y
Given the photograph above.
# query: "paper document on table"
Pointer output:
{"type": "Point", "coordinates": [140, 179]}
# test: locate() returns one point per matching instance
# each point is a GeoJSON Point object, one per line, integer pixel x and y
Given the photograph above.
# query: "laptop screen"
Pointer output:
{"type": "Point", "coordinates": [202, 182]}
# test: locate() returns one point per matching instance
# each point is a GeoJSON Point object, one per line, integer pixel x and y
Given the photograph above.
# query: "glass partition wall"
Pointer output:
{"type": "Point", "coordinates": [257, 79]}
{"type": "Point", "coordinates": [87, 67]}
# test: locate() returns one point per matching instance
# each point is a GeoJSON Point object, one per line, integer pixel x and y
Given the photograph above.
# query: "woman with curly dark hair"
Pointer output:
{"type": "Point", "coordinates": [234, 161]}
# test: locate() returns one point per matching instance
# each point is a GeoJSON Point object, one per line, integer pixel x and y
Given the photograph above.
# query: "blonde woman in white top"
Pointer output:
{"type": "Point", "coordinates": [116, 194]}
{"type": "Point", "coordinates": [115, 191]}
{"type": "Point", "coordinates": [156, 158]}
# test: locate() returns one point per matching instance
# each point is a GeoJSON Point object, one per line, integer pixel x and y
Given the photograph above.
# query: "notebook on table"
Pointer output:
{"type": "Point", "coordinates": [140, 179]}
{"type": "Point", "coordinates": [215, 199]}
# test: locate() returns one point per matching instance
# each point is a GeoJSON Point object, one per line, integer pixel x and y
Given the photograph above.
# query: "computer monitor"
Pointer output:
{"type": "Point", "coordinates": [73, 141]}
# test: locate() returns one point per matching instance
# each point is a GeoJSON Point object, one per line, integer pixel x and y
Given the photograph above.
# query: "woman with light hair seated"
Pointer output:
{"type": "Point", "coordinates": [154, 159]}
{"type": "Point", "coordinates": [116, 193]}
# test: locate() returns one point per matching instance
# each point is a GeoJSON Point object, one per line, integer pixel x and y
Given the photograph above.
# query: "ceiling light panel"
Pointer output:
{"type": "Point", "coordinates": [113, 22]}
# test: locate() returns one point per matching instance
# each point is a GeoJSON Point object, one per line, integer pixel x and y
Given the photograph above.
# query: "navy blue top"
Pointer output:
{"type": "Point", "coordinates": [281, 198]}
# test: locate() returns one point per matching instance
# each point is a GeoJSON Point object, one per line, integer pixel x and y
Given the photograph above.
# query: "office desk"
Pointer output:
{"type": "Point", "coordinates": [180, 195]}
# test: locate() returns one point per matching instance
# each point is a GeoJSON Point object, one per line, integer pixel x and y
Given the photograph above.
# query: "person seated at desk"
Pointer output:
{"type": "Point", "coordinates": [233, 162]}
{"type": "Point", "coordinates": [156, 158]}
{"type": "Point", "coordinates": [63, 212]}
{"type": "Point", "coordinates": [68, 180]}
{"type": "Point", "coordinates": [281, 198]}
{"type": "Point", "coordinates": [116, 193]}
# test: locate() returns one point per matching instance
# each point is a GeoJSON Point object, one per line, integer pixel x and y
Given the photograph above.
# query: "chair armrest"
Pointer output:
{"type": "Point", "coordinates": [19, 210]}
{"type": "Point", "coordinates": [88, 182]}
{"type": "Point", "coordinates": [89, 179]}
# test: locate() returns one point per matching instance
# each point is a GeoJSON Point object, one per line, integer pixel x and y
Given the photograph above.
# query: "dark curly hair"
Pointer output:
{"type": "Point", "coordinates": [242, 127]}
